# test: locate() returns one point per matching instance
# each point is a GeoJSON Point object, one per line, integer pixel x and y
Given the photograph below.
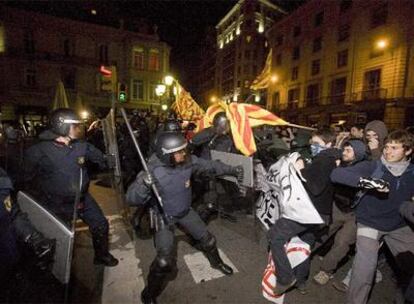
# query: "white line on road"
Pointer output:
{"type": "Point", "coordinates": [200, 267]}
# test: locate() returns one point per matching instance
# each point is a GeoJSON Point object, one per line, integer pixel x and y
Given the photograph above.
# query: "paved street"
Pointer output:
{"type": "Point", "coordinates": [243, 245]}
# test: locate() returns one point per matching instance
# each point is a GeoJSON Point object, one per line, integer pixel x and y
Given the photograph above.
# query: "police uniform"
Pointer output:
{"type": "Point", "coordinates": [8, 246]}
{"type": "Point", "coordinates": [174, 185]}
{"type": "Point", "coordinates": [56, 172]}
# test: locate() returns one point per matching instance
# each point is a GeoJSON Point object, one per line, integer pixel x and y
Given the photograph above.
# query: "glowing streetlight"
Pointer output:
{"type": "Point", "coordinates": [274, 78]}
{"type": "Point", "coordinates": [160, 89]}
{"type": "Point", "coordinates": [168, 80]}
{"type": "Point", "coordinates": [213, 99]}
{"type": "Point", "coordinates": [84, 115]}
{"type": "Point", "coordinates": [257, 98]}
{"type": "Point", "coordinates": [164, 107]}
{"type": "Point", "coordinates": [381, 44]}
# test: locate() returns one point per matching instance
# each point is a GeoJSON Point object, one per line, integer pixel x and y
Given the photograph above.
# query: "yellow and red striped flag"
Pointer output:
{"type": "Point", "coordinates": [185, 106]}
{"type": "Point", "coordinates": [243, 117]}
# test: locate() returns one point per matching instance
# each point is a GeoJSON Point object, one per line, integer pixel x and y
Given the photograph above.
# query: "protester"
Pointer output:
{"type": "Point", "coordinates": [357, 131]}
{"type": "Point", "coordinates": [388, 182]}
{"type": "Point", "coordinates": [375, 133]}
{"type": "Point", "coordinates": [343, 217]}
{"type": "Point", "coordinates": [320, 191]}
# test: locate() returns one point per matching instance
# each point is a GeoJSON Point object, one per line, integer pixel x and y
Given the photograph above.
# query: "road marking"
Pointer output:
{"type": "Point", "coordinates": [124, 282]}
{"type": "Point", "coordinates": [200, 267]}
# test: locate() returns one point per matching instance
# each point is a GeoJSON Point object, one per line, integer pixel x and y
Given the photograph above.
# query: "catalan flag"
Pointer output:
{"type": "Point", "coordinates": [243, 117]}
{"type": "Point", "coordinates": [263, 79]}
{"type": "Point", "coordinates": [186, 107]}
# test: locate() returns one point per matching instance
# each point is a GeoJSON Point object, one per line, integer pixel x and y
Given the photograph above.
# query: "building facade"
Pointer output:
{"type": "Point", "coordinates": [344, 61]}
{"type": "Point", "coordinates": [37, 51]}
{"type": "Point", "coordinates": [242, 47]}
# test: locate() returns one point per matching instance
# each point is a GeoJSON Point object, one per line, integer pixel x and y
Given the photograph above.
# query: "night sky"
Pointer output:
{"type": "Point", "coordinates": [181, 24]}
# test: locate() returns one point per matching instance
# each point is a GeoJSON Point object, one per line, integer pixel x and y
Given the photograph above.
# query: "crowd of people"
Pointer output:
{"type": "Point", "coordinates": [359, 178]}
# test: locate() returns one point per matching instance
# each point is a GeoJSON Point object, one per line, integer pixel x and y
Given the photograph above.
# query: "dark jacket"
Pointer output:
{"type": "Point", "coordinates": [54, 168]}
{"type": "Point", "coordinates": [378, 210]}
{"type": "Point", "coordinates": [207, 140]}
{"type": "Point", "coordinates": [318, 183]}
{"type": "Point", "coordinates": [173, 183]}
{"type": "Point", "coordinates": [344, 195]}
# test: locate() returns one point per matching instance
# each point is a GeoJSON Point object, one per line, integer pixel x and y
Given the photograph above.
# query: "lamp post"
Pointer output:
{"type": "Point", "coordinates": [160, 90]}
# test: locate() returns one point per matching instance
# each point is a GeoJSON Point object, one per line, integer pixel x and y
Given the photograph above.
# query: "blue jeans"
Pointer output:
{"type": "Point", "coordinates": [279, 234]}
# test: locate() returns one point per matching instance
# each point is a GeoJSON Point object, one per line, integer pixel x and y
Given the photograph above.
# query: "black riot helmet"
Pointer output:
{"type": "Point", "coordinates": [172, 125]}
{"type": "Point", "coordinates": [167, 144]}
{"type": "Point", "coordinates": [221, 123]}
{"type": "Point", "coordinates": [61, 119]}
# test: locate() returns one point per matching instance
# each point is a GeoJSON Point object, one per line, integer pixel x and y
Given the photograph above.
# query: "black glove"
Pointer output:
{"type": "Point", "coordinates": [407, 210]}
{"type": "Point", "coordinates": [238, 172]}
{"type": "Point", "coordinates": [148, 179]}
{"type": "Point", "coordinates": [373, 183]}
{"type": "Point", "coordinates": [110, 160]}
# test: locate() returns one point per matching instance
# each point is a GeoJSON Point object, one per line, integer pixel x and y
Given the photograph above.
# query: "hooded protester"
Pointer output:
{"type": "Point", "coordinates": [343, 217]}
{"type": "Point", "coordinates": [375, 134]}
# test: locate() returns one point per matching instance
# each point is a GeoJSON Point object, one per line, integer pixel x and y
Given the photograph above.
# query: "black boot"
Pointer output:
{"type": "Point", "coordinates": [157, 281]}
{"type": "Point", "coordinates": [216, 262]}
{"type": "Point", "coordinates": [102, 255]}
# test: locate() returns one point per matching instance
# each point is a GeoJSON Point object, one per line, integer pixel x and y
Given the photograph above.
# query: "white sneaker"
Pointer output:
{"type": "Point", "coordinates": [322, 277]}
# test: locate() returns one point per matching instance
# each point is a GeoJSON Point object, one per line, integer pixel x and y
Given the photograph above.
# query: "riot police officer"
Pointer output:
{"type": "Point", "coordinates": [55, 168]}
{"type": "Point", "coordinates": [217, 137]}
{"type": "Point", "coordinates": [171, 169]}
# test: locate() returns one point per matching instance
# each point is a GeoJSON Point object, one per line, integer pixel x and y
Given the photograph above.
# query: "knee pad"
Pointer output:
{"type": "Point", "coordinates": [164, 264]}
{"type": "Point", "coordinates": [208, 242]}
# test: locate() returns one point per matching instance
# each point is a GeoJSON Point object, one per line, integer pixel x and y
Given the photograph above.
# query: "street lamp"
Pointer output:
{"type": "Point", "coordinates": [213, 99]}
{"type": "Point", "coordinates": [164, 107]}
{"type": "Point", "coordinates": [169, 80]}
{"type": "Point", "coordinates": [381, 44]}
{"type": "Point", "coordinates": [84, 115]}
{"type": "Point", "coordinates": [274, 78]}
{"type": "Point", "coordinates": [160, 89]}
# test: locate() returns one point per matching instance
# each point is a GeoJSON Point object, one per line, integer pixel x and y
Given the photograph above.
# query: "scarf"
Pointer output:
{"type": "Point", "coordinates": [396, 169]}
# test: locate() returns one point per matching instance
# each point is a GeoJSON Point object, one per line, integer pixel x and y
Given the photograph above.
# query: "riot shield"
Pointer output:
{"type": "Point", "coordinates": [51, 227]}
{"type": "Point", "coordinates": [232, 159]}
{"type": "Point", "coordinates": [111, 146]}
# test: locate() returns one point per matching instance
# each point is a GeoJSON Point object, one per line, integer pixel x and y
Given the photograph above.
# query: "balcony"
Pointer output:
{"type": "Point", "coordinates": [378, 93]}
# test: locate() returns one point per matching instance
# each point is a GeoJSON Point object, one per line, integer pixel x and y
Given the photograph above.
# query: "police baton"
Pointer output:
{"type": "Point", "coordinates": [160, 204]}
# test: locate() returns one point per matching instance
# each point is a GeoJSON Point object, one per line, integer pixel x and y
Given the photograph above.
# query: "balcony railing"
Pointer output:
{"type": "Point", "coordinates": [378, 93]}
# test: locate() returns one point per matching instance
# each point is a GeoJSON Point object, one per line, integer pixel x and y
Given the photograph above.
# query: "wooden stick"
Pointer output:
{"type": "Point", "coordinates": [300, 127]}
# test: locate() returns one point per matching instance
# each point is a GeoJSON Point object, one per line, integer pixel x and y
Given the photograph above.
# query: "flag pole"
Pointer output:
{"type": "Point", "coordinates": [300, 127]}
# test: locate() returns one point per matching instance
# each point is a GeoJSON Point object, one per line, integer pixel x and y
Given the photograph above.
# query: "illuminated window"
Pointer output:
{"type": "Point", "coordinates": [139, 58]}
{"type": "Point", "coordinates": [154, 60]}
